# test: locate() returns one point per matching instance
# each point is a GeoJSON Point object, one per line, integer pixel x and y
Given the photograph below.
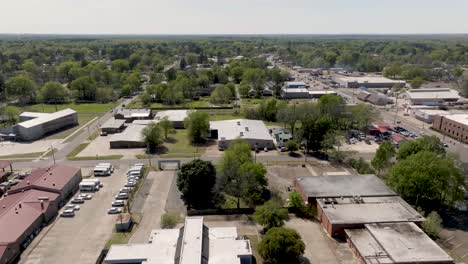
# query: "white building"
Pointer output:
{"type": "Point", "coordinates": [177, 117]}
{"type": "Point", "coordinates": [295, 85]}
{"type": "Point", "coordinates": [36, 125]}
{"type": "Point", "coordinates": [130, 138]}
{"type": "Point", "coordinates": [252, 131]}
{"type": "Point", "coordinates": [367, 81]}
{"type": "Point", "coordinates": [431, 96]}
{"type": "Point", "coordinates": [194, 243]}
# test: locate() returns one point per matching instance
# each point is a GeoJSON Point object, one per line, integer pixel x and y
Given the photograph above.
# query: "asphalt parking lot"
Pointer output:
{"type": "Point", "coordinates": [81, 238]}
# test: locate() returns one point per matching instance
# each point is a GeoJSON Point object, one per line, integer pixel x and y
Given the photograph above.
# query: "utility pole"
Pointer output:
{"type": "Point", "coordinates": [53, 153]}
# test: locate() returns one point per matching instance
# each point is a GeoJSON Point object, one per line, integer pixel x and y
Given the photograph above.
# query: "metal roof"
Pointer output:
{"type": "Point", "coordinates": [113, 123]}
{"type": "Point", "coordinates": [131, 134]}
{"type": "Point", "coordinates": [343, 186]}
{"type": "Point", "coordinates": [432, 94]}
{"type": "Point", "coordinates": [46, 118]}
{"type": "Point", "coordinates": [460, 118]}
{"type": "Point", "coordinates": [173, 115]}
{"type": "Point", "coordinates": [241, 128]}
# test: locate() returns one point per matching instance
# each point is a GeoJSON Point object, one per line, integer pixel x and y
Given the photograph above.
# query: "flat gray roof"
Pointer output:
{"type": "Point", "coordinates": [368, 210]}
{"type": "Point", "coordinates": [113, 123]}
{"type": "Point", "coordinates": [143, 112]}
{"type": "Point", "coordinates": [343, 186]}
{"type": "Point", "coordinates": [397, 243]}
{"type": "Point", "coordinates": [241, 128]}
{"type": "Point", "coordinates": [460, 118]}
{"type": "Point", "coordinates": [432, 94]}
{"type": "Point", "coordinates": [367, 79]}
{"type": "Point", "coordinates": [173, 115]}
{"type": "Point", "coordinates": [131, 134]}
{"type": "Point", "coordinates": [44, 118]}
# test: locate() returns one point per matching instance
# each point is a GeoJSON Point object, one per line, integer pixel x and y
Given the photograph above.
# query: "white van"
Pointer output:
{"type": "Point", "coordinates": [96, 181]}
{"type": "Point", "coordinates": [109, 165]}
{"type": "Point", "coordinates": [88, 186]}
{"type": "Point", "coordinates": [102, 171]}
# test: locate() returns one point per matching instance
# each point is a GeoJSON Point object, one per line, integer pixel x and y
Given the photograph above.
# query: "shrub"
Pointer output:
{"type": "Point", "coordinates": [169, 221]}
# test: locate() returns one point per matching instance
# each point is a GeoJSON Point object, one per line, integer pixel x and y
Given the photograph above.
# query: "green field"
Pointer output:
{"type": "Point", "coordinates": [178, 145]}
{"type": "Point", "coordinates": [80, 108]}
{"type": "Point", "coordinates": [203, 102]}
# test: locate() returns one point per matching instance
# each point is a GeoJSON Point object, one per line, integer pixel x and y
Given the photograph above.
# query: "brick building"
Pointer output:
{"type": "Point", "coordinates": [455, 125]}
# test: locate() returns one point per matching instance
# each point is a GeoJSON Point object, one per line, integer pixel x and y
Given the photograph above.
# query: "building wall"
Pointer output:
{"type": "Point", "coordinates": [127, 144]}
{"type": "Point", "coordinates": [356, 253]}
{"type": "Point", "coordinates": [36, 132]}
{"type": "Point", "coordinates": [452, 128]}
{"type": "Point", "coordinates": [10, 253]}
{"type": "Point", "coordinates": [70, 188]}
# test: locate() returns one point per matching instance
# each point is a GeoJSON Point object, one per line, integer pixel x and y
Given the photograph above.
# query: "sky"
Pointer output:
{"type": "Point", "coordinates": [234, 16]}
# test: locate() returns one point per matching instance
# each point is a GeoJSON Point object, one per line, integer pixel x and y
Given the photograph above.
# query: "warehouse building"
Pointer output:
{"type": "Point", "coordinates": [32, 203]}
{"type": "Point", "coordinates": [318, 187]}
{"type": "Point", "coordinates": [320, 93]}
{"type": "Point", "coordinates": [295, 85]}
{"type": "Point", "coordinates": [295, 93]}
{"type": "Point", "coordinates": [428, 115]}
{"type": "Point", "coordinates": [129, 115]}
{"type": "Point", "coordinates": [130, 138]}
{"type": "Point", "coordinates": [60, 179]}
{"type": "Point", "coordinates": [394, 243]}
{"type": "Point", "coordinates": [338, 214]}
{"type": "Point", "coordinates": [455, 125]}
{"type": "Point", "coordinates": [177, 117]}
{"type": "Point", "coordinates": [193, 243]}
{"type": "Point", "coordinates": [431, 96]}
{"type": "Point", "coordinates": [34, 126]}
{"type": "Point", "coordinates": [367, 82]}
{"type": "Point", "coordinates": [253, 132]}
{"type": "Point", "coordinates": [113, 126]}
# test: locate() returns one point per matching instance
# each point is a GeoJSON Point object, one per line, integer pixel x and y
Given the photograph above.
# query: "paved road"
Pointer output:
{"type": "Point", "coordinates": [79, 239]}
{"type": "Point", "coordinates": [154, 203]}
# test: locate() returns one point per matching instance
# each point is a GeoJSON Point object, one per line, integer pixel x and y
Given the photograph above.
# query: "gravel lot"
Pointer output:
{"type": "Point", "coordinates": [79, 239]}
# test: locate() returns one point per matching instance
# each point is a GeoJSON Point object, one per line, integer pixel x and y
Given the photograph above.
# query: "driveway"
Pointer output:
{"type": "Point", "coordinates": [79, 239]}
{"type": "Point", "coordinates": [154, 203]}
{"type": "Point", "coordinates": [320, 249]}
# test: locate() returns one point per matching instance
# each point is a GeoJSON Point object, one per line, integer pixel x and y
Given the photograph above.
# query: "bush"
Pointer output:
{"type": "Point", "coordinates": [169, 221]}
{"type": "Point", "coordinates": [433, 225]}
{"type": "Point", "coordinates": [281, 245]}
{"type": "Point", "coordinates": [270, 215]}
{"type": "Point", "coordinates": [361, 166]}
{"type": "Point", "coordinates": [299, 208]}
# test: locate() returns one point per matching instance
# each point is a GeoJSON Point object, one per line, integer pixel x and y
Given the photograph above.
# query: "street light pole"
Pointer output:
{"type": "Point", "coordinates": [53, 153]}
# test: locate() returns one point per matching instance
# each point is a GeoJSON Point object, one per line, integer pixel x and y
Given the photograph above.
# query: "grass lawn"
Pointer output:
{"type": "Point", "coordinates": [23, 156]}
{"type": "Point", "coordinates": [178, 145]}
{"type": "Point", "coordinates": [254, 244]}
{"type": "Point", "coordinates": [203, 102]}
{"type": "Point", "coordinates": [251, 102]}
{"type": "Point", "coordinates": [77, 150]}
{"type": "Point", "coordinates": [80, 108]}
{"type": "Point", "coordinates": [120, 237]}
{"type": "Point", "coordinates": [231, 202]}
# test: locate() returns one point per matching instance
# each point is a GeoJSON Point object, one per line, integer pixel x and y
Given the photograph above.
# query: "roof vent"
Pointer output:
{"type": "Point", "coordinates": [53, 184]}
{"type": "Point", "coordinates": [28, 182]}
{"type": "Point", "coordinates": [50, 173]}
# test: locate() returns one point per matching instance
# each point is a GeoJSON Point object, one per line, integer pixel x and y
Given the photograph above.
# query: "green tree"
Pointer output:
{"type": "Point", "coordinates": [22, 87]}
{"type": "Point", "coordinates": [166, 126]}
{"type": "Point", "coordinates": [152, 136]}
{"type": "Point", "coordinates": [292, 145]}
{"type": "Point", "coordinates": [85, 87]}
{"type": "Point", "coordinates": [290, 115]}
{"type": "Point", "coordinates": [197, 124]}
{"type": "Point", "coordinates": [53, 92]}
{"type": "Point", "coordinates": [427, 180]}
{"type": "Point", "coordinates": [362, 115]}
{"type": "Point", "coordinates": [270, 215]}
{"type": "Point", "coordinates": [182, 63]}
{"type": "Point", "coordinates": [221, 95]}
{"type": "Point", "coordinates": [383, 156]}
{"type": "Point", "coordinates": [120, 65]}
{"type": "Point", "coordinates": [332, 106]}
{"type": "Point", "coordinates": [465, 88]}
{"type": "Point", "coordinates": [256, 78]}
{"type": "Point", "coordinates": [417, 82]}
{"type": "Point", "coordinates": [11, 113]}
{"type": "Point", "coordinates": [105, 95]}
{"type": "Point", "coordinates": [237, 73]}
{"type": "Point", "coordinates": [281, 245]}
{"type": "Point", "coordinates": [424, 143]}
{"type": "Point", "coordinates": [238, 176]}
{"type": "Point", "coordinates": [196, 181]}
{"type": "Point", "coordinates": [171, 74]}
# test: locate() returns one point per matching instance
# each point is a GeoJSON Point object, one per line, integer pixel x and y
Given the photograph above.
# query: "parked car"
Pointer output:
{"type": "Point", "coordinates": [118, 203]}
{"type": "Point", "coordinates": [77, 200]}
{"type": "Point", "coordinates": [126, 189]}
{"type": "Point", "coordinates": [114, 210]}
{"type": "Point", "coordinates": [85, 196]}
{"type": "Point", "coordinates": [103, 133]}
{"type": "Point", "coordinates": [73, 207]}
{"type": "Point", "coordinates": [67, 213]}
{"type": "Point", "coordinates": [130, 184]}
{"type": "Point", "coordinates": [122, 196]}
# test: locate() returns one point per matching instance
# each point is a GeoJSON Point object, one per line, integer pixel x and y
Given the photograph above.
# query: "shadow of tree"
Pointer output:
{"type": "Point", "coordinates": [170, 140]}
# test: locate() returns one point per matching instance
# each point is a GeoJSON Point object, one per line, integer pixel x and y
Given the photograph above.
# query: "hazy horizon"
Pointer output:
{"type": "Point", "coordinates": [228, 17]}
